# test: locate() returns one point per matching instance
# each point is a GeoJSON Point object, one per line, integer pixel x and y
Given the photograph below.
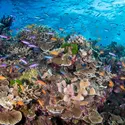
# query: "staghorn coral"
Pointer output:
{"type": "Point", "coordinates": [30, 92]}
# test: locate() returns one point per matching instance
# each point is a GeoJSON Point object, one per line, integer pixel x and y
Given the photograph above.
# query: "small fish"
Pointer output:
{"type": "Point", "coordinates": [41, 102]}
{"type": "Point", "coordinates": [3, 65]}
{"type": "Point", "coordinates": [25, 42]}
{"type": "Point", "coordinates": [61, 29]}
{"type": "Point", "coordinates": [102, 73]}
{"type": "Point", "coordinates": [11, 70]}
{"type": "Point", "coordinates": [16, 66]}
{"type": "Point", "coordinates": [83, 65]}
{"type": "Point", "coordinates": [32, 46]}
{"type": "Point", "coordinates": [2, 78]}
{"type": "Point", "coordinates": [111, 84]}
{"type": "Point", "coordinates": [3, 36]}
{"type": "Point", "coordinates": [37, 17]}
{"type": "Point", "coordinates": [5, 57]}
{"type": "Point", "coordinates": [101, 52]}
{"type": "Point", "coordinates": [55, 53]}
{"type": "Point", "coordinates": [62, 72]}
{"type": "Point", "coordinates": [54, 39]}
{"type": "Point", "coordinates": [27, 30]}
{"type": "Point", "coordinates": [112, 54]}
{"type": "Point", "coordinates": [33, 37]}
{"type": "Point", "coordinates": [22, 60]}
{"type": "Point", "coordinates": [122, 78]}
{"type": "Point", "coordinates": [33, 65]}
{"type": "Point", "coordinates": [119, 63]}
{"type": "Point", "coordinates": [50, 33]}
{"type": "Point", "coordinates": [43, 91]}
{"type": "Point", "coordinates": [123, 64]}
{"type": "Point", "coordinates": [21, 70]}
{"type": "Point", "coordinates": [99, 39]}
{"type": "Point", "coordinates": [48, 57]}
{"type": "Point", "coordinates": [41, 82]}
{"type": "Point", "coordinates": [20, 103]}
{"type": "Point", "coordinates": [122, 87]}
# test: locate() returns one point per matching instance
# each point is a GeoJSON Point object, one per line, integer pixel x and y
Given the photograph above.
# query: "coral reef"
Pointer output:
{"type": "Point", "coordinates": [41, 36]}
{"type": "Point", "coordinates": [45, 79]}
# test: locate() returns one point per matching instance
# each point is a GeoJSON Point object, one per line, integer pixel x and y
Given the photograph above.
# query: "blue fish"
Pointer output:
{"type": "Point", "coordinates": [62, 72]}
{"type": "Point", "coordinates": [48, 57]}
{"type": "Point", "coordinates": [83, 65]}
{"type": "Point", "coordinates": [21, 70]}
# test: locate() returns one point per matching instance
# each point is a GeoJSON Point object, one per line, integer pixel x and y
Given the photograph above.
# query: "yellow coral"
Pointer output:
{"type": "Point", "coordinates": [29, 75]}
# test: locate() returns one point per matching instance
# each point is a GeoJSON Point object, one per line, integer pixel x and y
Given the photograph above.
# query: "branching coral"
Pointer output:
{"type": "Point", "coordinates": [5, 24]}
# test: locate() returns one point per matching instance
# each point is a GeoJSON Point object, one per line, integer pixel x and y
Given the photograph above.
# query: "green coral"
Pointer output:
{"type": "Point", "coordinates": [74, 47]}
{"type": "Point", "coordinates": [29, 75]}
{"type": "Point", "coordinates": [16, 81]}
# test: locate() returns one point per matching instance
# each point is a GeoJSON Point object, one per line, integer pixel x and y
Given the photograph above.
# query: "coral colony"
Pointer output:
{"type": "Point", "coordinates": [49, 80]}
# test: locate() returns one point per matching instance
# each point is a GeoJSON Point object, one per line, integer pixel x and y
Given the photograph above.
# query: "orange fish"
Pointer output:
{"type": "Point", "coordinates": [41, 82]}
{"type": "Point", "coordinates": [111, 84]}
{"type": "Point", "coordinates": [20, 103]}
{"type": "Point", "coordinates": [56, 53]}
{"type": "Point", "coordinates": [102, 73]}
{"type": "Point", "coordinates": [11, 69]}
{"type": "Point", "coordinates": [122, 87]}
{"type": "Point", "coordinates": [54, 39]}
{"type": "Point", "coordinates": [41, 102]}
{"type": "Point", "coordinates": [2, 78]}
{"type": "Point", "coordinates": [123, 64]}
{"type": "Point", "coordinates": [44, 92]}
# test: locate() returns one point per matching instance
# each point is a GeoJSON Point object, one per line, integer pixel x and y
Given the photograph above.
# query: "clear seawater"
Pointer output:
{"type": "Point", "coordinates": [95, 19]}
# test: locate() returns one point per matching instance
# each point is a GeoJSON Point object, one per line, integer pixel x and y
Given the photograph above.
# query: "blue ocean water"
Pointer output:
{"type": "Point", "coordinates": [95, 19]}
